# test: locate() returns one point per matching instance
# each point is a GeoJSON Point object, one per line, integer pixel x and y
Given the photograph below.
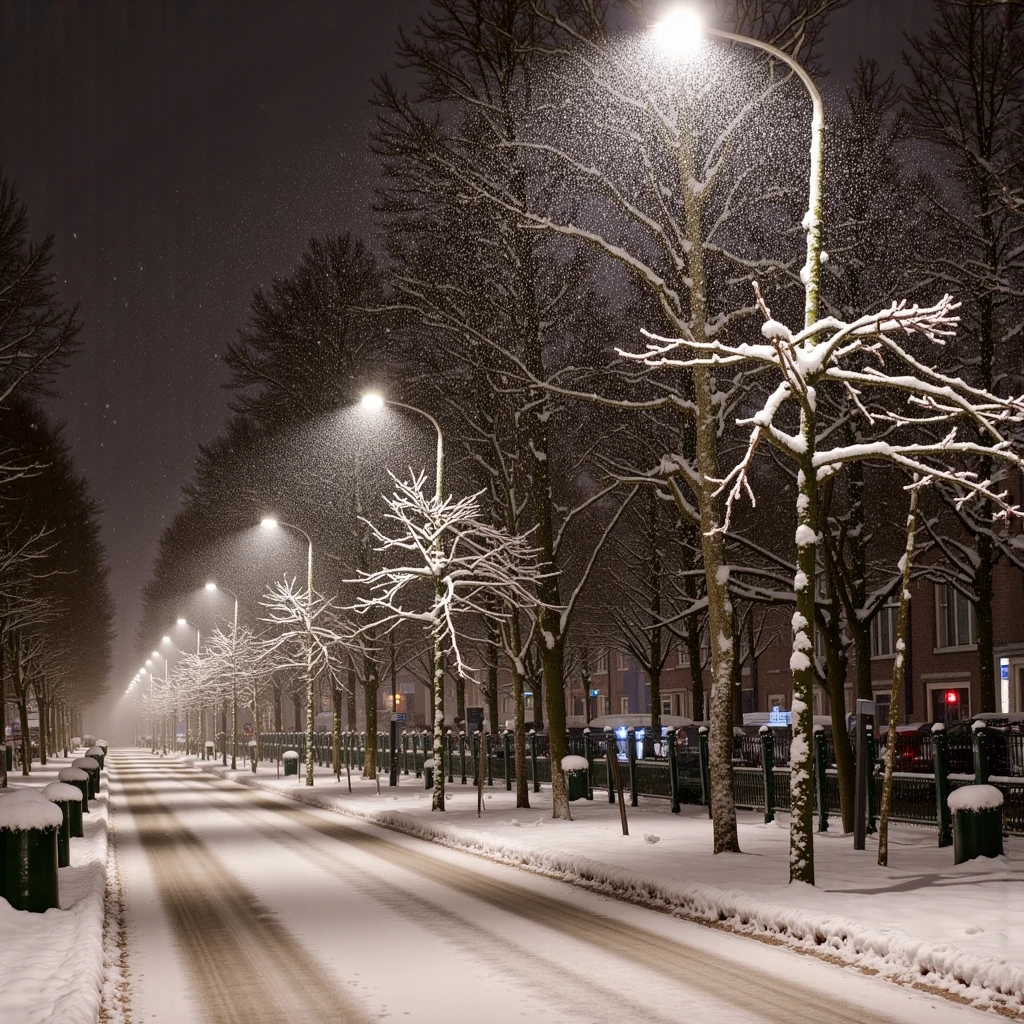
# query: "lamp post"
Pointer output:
{"type": "Point", "coordinates": [374, 402]}
{"type": "Point", "coordinates": [681, 32]}
{"type": "Point", "coordinates": [212, 587]}
{"type": "Point", "coordinates": [184, 623]}
{"type": "Point", "coordinates": [270, 523]}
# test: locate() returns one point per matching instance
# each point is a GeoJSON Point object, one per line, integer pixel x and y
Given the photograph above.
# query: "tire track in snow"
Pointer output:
{"type": "Point", "coordinates": [246, 966]}
{"type": "Point", "coordinates": [764, 996]}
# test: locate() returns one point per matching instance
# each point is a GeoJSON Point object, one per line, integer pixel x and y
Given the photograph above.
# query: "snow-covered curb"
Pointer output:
{"type": "Point", "coordinates": [51, 964]}
{"type": "Point", "coordinates": [982, 981]}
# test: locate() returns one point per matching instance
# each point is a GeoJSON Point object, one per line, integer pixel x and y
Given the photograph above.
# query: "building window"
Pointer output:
{"type": "Point", "coordinates": [883, 631]}
{"type": "Point", "coordinates": [777, 700]}
{"type": "Point", "coordinates": [624, 705]}
{"type": "Point", "coordinates": [528, 701]}
{"type": "Point", "coordinates": [507, 705]}
{"type": "Point", "coordinates": [577, 706]}
{"type": "Point", "coordinates": [626, 662]}
{"type": "Point", "coordinates": [954, 619]}
{"type": "Point", "coordinates": [601, 667]}
{"type": "Point", "coordinates": [666, 706]}
{"type": "Point", "coordinates": [682, 657]}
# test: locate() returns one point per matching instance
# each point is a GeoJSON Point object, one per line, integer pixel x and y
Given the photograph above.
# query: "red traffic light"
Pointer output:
{"type": "Point", "coordinates": [951, 697]}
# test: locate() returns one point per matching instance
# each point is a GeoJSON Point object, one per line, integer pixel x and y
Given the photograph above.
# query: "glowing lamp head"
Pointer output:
{"type": "Point", "coordinates": [372, 402]}
{"type": "Point", "coordinates": [182, 621]}
{"type": "Point", "coordinates": [149, 664]}
{"type": "Point", "coordinates": [165, 639]}
{"type": "Point", "coordinates": [680, 33]}
{"type": "Point", "coordinates": [211, 586]}
{"type": "Point", "coordinates": [951, 697]}
{"type": "Point", "coordinates": [268, 523]}
{"type": "Point", "coordinates": [155, 654]}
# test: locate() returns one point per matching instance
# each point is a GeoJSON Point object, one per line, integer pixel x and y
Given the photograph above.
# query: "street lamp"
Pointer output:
{"type": "Point", "coordinates": [681, 33]}
{"type": "Point", "coordinates": [212, 587]}
{"type": "Point", "coordinates": [373, 401]}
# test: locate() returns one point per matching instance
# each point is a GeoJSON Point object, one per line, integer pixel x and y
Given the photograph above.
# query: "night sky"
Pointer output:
{"type": "Point", "coordinates": [183, 153]}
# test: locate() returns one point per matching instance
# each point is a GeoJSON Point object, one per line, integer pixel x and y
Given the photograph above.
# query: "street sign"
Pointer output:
{"type": "Point", "coordinates": [398, 716]}
{"type": "Point", "coordinates": [474, 720]}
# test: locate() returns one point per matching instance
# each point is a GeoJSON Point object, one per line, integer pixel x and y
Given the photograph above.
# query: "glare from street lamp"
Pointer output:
{"type": "Point", "coordinates": [155, 654]}
{"type": "Point", "coordinates": [165, 640]}
{"type": "Point", "coordinates": [149, 662]}
{"type": "Point", "coordinates": [268, 523]}
{"type": "Point", "coordinates": [680, 32]}
{"type": "Point", "coordinates": [372, 401]}
{"type": "Point", "coordinates": [211, 585]}
{"type": "Point", "coordinates": [182, 621]}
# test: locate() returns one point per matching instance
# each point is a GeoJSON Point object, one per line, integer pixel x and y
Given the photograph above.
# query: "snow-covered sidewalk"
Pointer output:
{"type": "Point", "coordinates": [922, 920]}
{"type": "Point", "coordinates": [52, 964]}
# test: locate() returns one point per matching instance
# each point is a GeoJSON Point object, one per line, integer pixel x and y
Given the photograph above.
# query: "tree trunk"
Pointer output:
{"type": "Point", "coordinates": [371, 684]}
{"type": "Point", "coordinates": [278, 727]}
{"type": "Point", "coordinates": [903, 618]}
{"type": "Point", "coordinates": [437, 797]}
{"type": "Point", "coordinates": [336, 731]}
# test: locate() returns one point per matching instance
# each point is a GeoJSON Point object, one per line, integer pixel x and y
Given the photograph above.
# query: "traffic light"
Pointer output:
{"type": "Point", "coordinates": [952, 697]}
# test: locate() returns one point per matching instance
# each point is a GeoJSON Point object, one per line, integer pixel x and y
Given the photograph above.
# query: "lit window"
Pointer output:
{"type": "Point", "coordinates": [954, 619]}
{"type": "Point", "coordinates": [624, 705]}
{"type": "Point", "coordinates": [883, 631]}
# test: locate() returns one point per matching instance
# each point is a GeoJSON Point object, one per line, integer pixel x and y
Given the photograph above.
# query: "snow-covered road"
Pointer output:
{"type": "Point", "coordinates": [243, 906]}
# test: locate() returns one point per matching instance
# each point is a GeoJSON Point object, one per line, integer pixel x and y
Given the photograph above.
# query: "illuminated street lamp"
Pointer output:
{"type": "Point", "coordinates": [211, 588]}
{"type": "Point", "coordinates": [681, 32]}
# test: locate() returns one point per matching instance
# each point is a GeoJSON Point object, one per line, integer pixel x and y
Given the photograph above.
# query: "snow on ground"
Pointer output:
{"type": "Point", "coordinates": [51, 964]}
{"type": "Point", "coordinates": [921, 920]}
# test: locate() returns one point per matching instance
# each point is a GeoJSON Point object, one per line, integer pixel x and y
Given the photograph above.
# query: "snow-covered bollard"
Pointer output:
{"type": "Point", "coordinates": [28, 840]}
{"type": "Point", "coordinates": [103, 745]}
{"type": "Point", "coordinates": [291, 762]}
{"type": "Point", "coordinates": [252, 755]}
{"type": "Point", "coordinates": [69, 799]}
{"type": "Point", "coordinates": [80, 780]}
{"type": "Point", "coordinates": [91, 767]}
{"type": "Point", "coordinates": [88, 741]}
{"type": "Point", "coordinates": [977, 822]}
{"type": "Point", "coordinates": [98, 753]}
{"type": "Point", "coordinates": [209, 750]}
{"type": "Point", "coordinates": [428, 773]}
{"type": "Point", "coordinates": [575, 768]}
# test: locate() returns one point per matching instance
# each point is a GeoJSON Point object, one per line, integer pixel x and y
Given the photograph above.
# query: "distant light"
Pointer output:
{"type": "Point", "coordinates": [372, 401]}
{"type": "Point", "coordinates": [165, 640]}
{"type": "Point", "coordinates": [211, 585]}
{"type": "Point", "coordinates": [268, 523]}
{"type": "Point", "coordinates": [680, 32]}
{"type": "Point", "coordinates": [182, 622]}
{"type": "Point", "coordinates": [155, 654]}
{"type": "Point", "coordinates": [951, 697]}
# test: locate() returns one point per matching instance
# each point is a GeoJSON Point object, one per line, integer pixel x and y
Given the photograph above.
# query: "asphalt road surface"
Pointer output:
{"type": "Point", "coordinates": [245, 907]}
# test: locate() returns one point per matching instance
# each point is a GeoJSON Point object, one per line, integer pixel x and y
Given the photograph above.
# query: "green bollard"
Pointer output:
{"type": "Point", "coordinates": [69, 799]}
{"type": "Point", "coordinates": [872, 791]}
{"type": "Point", "coordinates": [80, 780]}
{"type": "Point", "coordinates": [462, 757]}
{"type": "Point", "coordinates": [767, 771]}
{"type": "Point", "coordinates": [940, 752]}
{"type": "Point", "coordinates": [821, 777]}
{"type": "Point", "coordinates": [91, 767]}
{"type": "Point", "coordinates": [533, 760]}
{"type": "Point", "coordinates": [506, 741]}
{"type": "Point", "coordinates": [490, 766]}
{"type": "Point", "coordinates": [634, 797]}
{"type": "Point", "coordinates": [451, 756]}
{"type": "Point", "coordinates": [28, 836]}
{"type": "Point", "coordinates": [673, 769]}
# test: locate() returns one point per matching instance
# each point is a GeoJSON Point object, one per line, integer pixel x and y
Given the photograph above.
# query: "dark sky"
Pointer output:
{"type": "Point", "coordinates": [183, 153]}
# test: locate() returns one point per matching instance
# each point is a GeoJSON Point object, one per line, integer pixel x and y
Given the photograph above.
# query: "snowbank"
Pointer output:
{"type": "Point", "coordinates": [982, 980]}
{"type": "Point", "coordinates": [975, 798]}
{"type": "Point", "coordinates": [51, 964]}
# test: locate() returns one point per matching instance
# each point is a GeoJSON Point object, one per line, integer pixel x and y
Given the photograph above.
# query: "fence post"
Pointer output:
{"type": "Point", "coordinates": [940, 755]}
{"type": "Point", "coordinates": [533, 760]}
{"type": "Point", "coordinates": [979, 742]}
{"type": "Point", "coordinates": [589, 755]}
{"type": "Point", "coordinates": [767, 771]}
{"type": "Point", "coordinates": [634, 798]}
{"type": "Point", "coordinates": [506, 740]}
{"type": "Point", "coordinates": [705, 767]}
{"type": "Point", "coordinates": [490, 767]}
{"type": "Point", "coordinates": [872, 794]}
{"type": "Point", "coordinates": [821, 777]}
{"type": "Point", "coordinates": [611, 749]}
{"type": "Point", "coordinates": [451, 755]}
{"type": "Point", "coordinates": [475, 745]}
{"type": "Point", "coordinates": [673, 769]}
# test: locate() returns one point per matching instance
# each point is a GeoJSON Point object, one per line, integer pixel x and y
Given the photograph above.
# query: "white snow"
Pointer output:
{"type": "Point", "coordinates": [574, 763]}
{"type": "Point", "coordinates": [22, 815]}
{"type": "Point", "coordinates": [975, 798]}
{"type": "Point", "coordinates": [72, 775]}
{"type": "Point", "coordinates": [290, 755]}
{"type": "Point", "coordinates": [848, 918]}
{"type": "Point", "coordinates": [61, 791]}
{"type": "Point", "coordinates": [85, 763]}
{"type": "Point", "coordinates": [51, 965]}
{"type": "Point", "coordinates": [805, 536]}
